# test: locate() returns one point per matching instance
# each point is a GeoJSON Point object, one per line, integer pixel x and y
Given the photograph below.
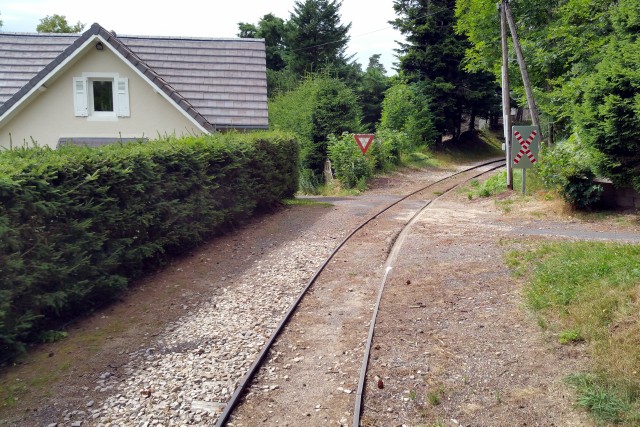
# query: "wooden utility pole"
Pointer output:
{"type": "Point", "coordinates": [506, 97]}
{"type": "Point", "coordinates": [523, 66]}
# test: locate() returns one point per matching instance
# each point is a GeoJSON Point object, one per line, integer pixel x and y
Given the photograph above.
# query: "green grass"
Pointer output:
{"type": "Point", "coordinates": [305, 202]}
{"type": "Point", "coordinates": [419, 160]}
{"type": "Point", "coordinates": [471, 147]}
{"type": "Point", "coordinates": [590, 291]}
{"type": "Point", "coordinates": [570, 336]}
{"type": "Point", "coordinates": [497, 184]}
{"type": "Point", "coordinates": [606, 403]}
{"type": "Point", "coordinates": [434, 397]}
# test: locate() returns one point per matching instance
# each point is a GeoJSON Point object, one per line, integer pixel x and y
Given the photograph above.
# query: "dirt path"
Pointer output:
{"type": "Point", "coordinates": [454, 345]}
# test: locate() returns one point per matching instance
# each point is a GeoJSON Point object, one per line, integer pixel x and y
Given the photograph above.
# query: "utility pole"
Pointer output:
{"type": "Point", "coordinates": [506, 98]}
{"type": "Point", "coordinates": [523, 66]}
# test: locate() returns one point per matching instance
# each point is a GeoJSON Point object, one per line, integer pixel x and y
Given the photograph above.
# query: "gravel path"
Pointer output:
{"type": "Point", "coordinates": [223, 304]}
{"type": "Point", "coordinates": [191, 372]}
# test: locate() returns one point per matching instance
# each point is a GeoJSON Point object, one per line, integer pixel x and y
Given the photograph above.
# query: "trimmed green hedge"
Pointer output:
{"type": "Point", "coordinates": [77, 224]}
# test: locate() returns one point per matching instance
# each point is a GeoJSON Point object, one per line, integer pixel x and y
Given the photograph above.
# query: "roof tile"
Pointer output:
{"type": "Point", "coordinates": [194, 72]}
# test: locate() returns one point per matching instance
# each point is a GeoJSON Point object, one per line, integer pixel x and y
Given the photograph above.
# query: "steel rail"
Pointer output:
{"type": "Point", "coordinates": [389, 263]}
{"type": "Point", "coordinates": [244, 383]}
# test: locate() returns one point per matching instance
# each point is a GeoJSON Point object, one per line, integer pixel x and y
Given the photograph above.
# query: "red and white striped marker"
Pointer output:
{"type": "Point", "coordinates": [524, 150]}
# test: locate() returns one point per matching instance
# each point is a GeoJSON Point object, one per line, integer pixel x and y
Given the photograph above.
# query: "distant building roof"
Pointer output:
{"type": "Point", "coordinates": [221, 83]}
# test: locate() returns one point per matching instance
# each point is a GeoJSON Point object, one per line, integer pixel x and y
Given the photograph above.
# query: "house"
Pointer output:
{"type": "Point", "coordinates": [99, 87]}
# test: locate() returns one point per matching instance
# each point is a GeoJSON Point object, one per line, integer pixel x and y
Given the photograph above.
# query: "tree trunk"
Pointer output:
{"type": "Point", "coordinates": [472, 120]}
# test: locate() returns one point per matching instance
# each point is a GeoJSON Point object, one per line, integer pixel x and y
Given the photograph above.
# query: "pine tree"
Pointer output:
{"type": "Point", "coordinates": [433, 54]}
{"type": "Point", "coordinates": [371, 91]}
{"type": "Point", "coordinates": [315, 37]}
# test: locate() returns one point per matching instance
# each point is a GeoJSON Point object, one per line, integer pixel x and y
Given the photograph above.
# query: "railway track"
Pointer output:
{"type": "Point", "coordinates": [329, 328]}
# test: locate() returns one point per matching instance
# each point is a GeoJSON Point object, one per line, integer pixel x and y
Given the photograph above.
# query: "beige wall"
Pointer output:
{"type": "Point", "coordinates": [51, 116]}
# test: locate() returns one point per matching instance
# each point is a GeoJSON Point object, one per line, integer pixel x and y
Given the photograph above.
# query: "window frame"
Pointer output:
{"type": "Point", "coordinates": [84, 98]}
{"type": "Point", "coordinates": [92, 103]}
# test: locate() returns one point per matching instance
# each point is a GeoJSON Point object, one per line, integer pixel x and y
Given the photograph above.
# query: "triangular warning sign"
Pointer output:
{"type": "Point", "coordinates": [364, 140]}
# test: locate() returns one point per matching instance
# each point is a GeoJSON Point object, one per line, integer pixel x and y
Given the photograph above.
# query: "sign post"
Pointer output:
{"type": "Point", "coordinates": [364, 141]}
{"type": "Point", "coordinates": [525, 152]}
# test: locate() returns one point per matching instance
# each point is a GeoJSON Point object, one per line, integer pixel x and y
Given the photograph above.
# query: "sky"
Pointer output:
{"type": "Point", "coordinates": [370, 31]}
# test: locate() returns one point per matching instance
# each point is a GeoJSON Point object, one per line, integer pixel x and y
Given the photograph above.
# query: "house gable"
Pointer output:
{"type": "Point", "coordinates": [50, 115]}
{"type": "Point", "coordinates": [214, 83]}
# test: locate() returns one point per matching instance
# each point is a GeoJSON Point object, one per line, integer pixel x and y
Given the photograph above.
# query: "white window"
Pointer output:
{"type": "Point", "coordinates": [101, 96]}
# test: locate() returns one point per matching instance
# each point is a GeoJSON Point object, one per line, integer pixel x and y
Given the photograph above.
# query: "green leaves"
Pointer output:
{"type": "Point", "coordinates": [350, 165]}
{"type": "Point", "coordinates": [320, 106]}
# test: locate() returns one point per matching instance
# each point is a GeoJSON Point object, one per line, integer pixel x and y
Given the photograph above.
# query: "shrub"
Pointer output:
{"type": "Point", "coordinates": [350, 166]}
{"type": "Point", "coordinates": [609, 118]}
{"type": "Point", "coordinates": [77, 224]}
{"type": "Point", "coordinates": [318, 107]}
{"type": "Point", "coordinates": [406, 109]}
{"type": "Point", "coordinates": [568, 168]}
{"type": "Point", "coordinates": [387, 147]}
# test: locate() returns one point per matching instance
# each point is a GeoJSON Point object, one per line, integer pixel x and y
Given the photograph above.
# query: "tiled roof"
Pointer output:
{"type": "Point", "coordinates": [22, 56]}
{"type": "Point", "coordinates": [221, 83]}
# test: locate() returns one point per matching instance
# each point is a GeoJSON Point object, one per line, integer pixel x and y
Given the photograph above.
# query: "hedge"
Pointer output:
{"type": "Point", "coordinates": [78, 224]}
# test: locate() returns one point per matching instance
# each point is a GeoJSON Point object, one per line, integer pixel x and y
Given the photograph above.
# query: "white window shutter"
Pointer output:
{"type": "Point", "coordinates": [80, 97]}
{"type": "Point", "coordinates": [122, 96]}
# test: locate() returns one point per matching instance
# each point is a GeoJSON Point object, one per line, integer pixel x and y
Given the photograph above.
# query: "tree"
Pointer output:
{"type": "Point", "coordinates": [318, 107]}
{"type": "Point", "coordinates": [407, 109]}
{"type": "Point", "coordinates": [247, 31]}
{"type": "Point", "coordinates": [0, 23]}
{"type": "Point", "coordinates": [272, 30]}
{"type": "Point", "coordinates": [433, 54]}
{"type": "Point", "coordinates": [315, 36]}
{"type": "Point", "coordinates": [58, 24]}
{"type": "Point", "coordinates": [371, 91]}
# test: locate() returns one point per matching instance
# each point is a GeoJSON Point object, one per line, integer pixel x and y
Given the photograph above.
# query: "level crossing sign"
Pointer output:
{"type": "Point", "coordinates": [525, 146]}
{"type": "Point", "coordinates": [364, 141]}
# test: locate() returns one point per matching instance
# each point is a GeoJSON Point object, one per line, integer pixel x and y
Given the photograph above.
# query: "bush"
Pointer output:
{"type": "Point", "coordinates": [350, 166]}
{"type": "Point", "coordinates": [77, 224]}
{"type": "Point", "coordinates": [387, 147]}
{"type": "Point", "coordinates": [318, 107]}
{"type": "Point", "coordinates": [568, 168]}
{"type": "Point", "coordinates": [609, 118]}
{"type": "Point", "coordinates": [406, 109]}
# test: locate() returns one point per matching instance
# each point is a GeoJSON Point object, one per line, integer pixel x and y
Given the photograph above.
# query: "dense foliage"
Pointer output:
{"type": "Point", "coordinates": [315, 36]}
{"type": "Point", "coordinates": [568, 168]}
{"type": "Point", "coordinates": [58, 24]}
{"type": "Point", "coordinates": [320, 106]}
{"type": "Point", "coordinates": [583, 62]}
{"type": "Point", "coordinates": [350, 166]}
{"type": "Point", "coordinates": [432, 57]}
{"type": "Point", "coordinates": [371, 92]}
{"type": "Point", "coordinates": [77, 224]}
{"type": "Point", "coordinates": [311, 43]}
{"type": "Point", "coordinates": [406, 108]}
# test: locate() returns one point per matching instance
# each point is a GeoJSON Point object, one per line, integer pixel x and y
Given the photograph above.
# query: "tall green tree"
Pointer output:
{"type": "Point", "coordinates": [272, 30]}
{"type": "Point", "coordinates": [371, 91]}
{"type": "Point", "coordinates": [58, 24]}
{"type": "Point", "coordinates": [407, 109]}
{"type": "Point", "coordinates": [316, 37]}
{"type": "Point", "coordinates": [433, 54]}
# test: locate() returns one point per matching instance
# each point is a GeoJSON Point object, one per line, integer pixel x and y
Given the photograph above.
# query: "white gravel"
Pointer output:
{"type": "Point", "coordinates": [187, 377]}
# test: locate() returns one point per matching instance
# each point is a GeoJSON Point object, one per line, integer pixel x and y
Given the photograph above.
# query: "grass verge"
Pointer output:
{"type": "Point", "coordinates": [471, 146]}
{"type": "Point", "coordinates": [305, 202]}
{"type": "Point", "coordinates": [590, 291]}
